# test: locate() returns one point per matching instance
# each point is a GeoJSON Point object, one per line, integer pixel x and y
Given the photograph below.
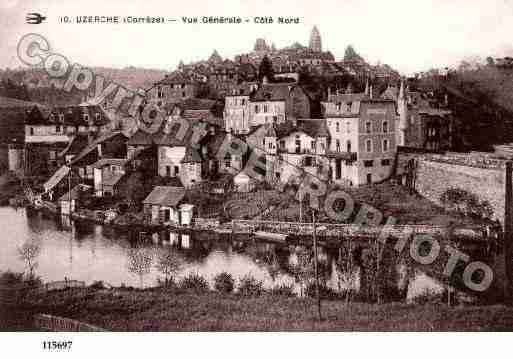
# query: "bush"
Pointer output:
{"type": "Point", "coordinates": [194, 282]}
{"type": "Point", "coordinates": [283, 289]}
{"type": "Point", "coordinates": [224, 283]}
{"type": "Point", "coordinates": [325, 291]}
{"type": "Point", "coordinates": [250, 287]}
{"type": "Point", "coordinates": [98, 284]}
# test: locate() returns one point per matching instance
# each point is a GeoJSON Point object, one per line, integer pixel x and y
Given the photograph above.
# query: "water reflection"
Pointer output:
{"type": "Point", "coordinates": [90, 252]}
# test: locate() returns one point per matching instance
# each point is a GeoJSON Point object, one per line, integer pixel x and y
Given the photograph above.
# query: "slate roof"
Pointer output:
{"type": "Point", "coordinates": [94, 145]}
{"type": "Point", "coordinates": [110, 161]}
{"type": "Point", "coordinates": [176, 77]}
{"type": "Point", "coordinates": [165, 196]}
{"type": "Point", "coordinates": [111, 179]}
{"type": "Point", "coordinates": [75, 192]}
{"type": "Point", "coordinates": [76, 145]}
{"type": "Point", "coordinates": [141, 138]}
{"type": "Point", "coordinates": [191, 156]}
{"type": "Point", "coordinates": [274, 92]}
{"type": "Point", "coordinates": [313, 128]}
{"type": "Point", "coordinates": [73, 116]}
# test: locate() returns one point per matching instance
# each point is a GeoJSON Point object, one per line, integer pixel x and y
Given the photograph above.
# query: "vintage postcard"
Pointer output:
{"type": "Point", "coordinates": [255, 166]}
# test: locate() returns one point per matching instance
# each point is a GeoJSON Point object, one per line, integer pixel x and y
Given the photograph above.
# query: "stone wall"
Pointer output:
{"type": "Point", "coordinates": [433, 177]}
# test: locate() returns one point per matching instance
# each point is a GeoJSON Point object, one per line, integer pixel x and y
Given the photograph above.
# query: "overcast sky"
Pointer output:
{"type": "Point", "coordinates": [409, 35]}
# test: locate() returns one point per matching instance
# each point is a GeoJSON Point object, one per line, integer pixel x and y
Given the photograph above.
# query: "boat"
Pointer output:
{"type": "Point", "coordinates": [270, 236]}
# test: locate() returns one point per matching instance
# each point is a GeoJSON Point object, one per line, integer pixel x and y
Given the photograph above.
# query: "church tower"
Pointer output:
{"type": "Point", "coordinates": [402, 110]}
{"type": "Point", "coordinates": [315, 40]}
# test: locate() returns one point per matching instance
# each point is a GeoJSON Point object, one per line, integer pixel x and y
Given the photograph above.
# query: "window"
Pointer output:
{"type": "Point", "coordinates": [348, 127]}
{"type": "Point", "coordinates": [61, 118]}
{"type": "Point", "coordinates": [368, 127]}
{"type": "Point", "coordinates": [177, 170]}
{"type": "Point", "coordinates": [98, 116]}
{"type": "Point", "coordinates": [385, 145]}
{"type": "Point", "coordinates": [183, 86]}
{"type": "Point", "coordinates": [266, 107]}
{"type": "Point", "coordinates": [385, 162]}
{"type": "Point", "coordinates": [349, 105]}
{"type": "Point", "coordinates": [256, 109]}
{"type": "Point", "coordinates": [338, 145]}
{"type": "Point", "coordinates": [368, 163]}
{"type": "Point", "coordinates": [160, 92]}
{"type": "Point", "coordinates": [183, 94]}
{"type": "Point", "coordinates": [57, 128]}
{"type": "Point", "coordinates": [228, 162]}
{"type": "Point", "coordinates": [368, 145]}
{"type": "Point", "coordinates": [32, 131]}
{"type": "Point", "coordinates": [385, 126]}
{"type": "Point", "coordinates": [86, 117]}
{"type": "Point", "coordinates": [369, 178]}
{"type": "Point", "coordinates": [348, 143]}
{"type": "Point", "coordinates": [338, 127]}
{"type": "Point", "coordinates": [313, 145]}
{"type": "Point", "coordinates": [282, 144]}
{"type": "Point", "coordinates": [270, 145]}
{"type": "Point", "coordinates": [339, 106]}
{"type": "Point", "coordinates": [168, 171]}
{"type": "Point", "coordinates": [298, 145]}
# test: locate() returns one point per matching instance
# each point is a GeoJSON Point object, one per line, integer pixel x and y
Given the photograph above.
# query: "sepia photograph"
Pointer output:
{"type": "Point", "coordinates": [264, 167]}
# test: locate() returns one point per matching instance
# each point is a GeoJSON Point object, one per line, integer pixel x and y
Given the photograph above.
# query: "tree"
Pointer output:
{"type": "Point", "coordinates": [29, 252]}
{"type": "Point", "coordinates": [266, 70]}
{"type": "Point", "coordinates": [169, 264]}
{"type": "Point", "coordinates": [139, 262]}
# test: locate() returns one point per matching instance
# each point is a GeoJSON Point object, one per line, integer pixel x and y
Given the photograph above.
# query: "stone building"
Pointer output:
{"type": "Point", "coordinates": [315, 40]}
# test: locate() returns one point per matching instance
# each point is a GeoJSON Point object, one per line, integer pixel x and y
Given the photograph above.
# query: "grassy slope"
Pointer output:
{"type": "Point", "coordinates": [125, 310]}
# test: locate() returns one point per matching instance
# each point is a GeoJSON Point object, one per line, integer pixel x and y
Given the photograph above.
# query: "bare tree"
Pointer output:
{"type": "Point", "coordinates": [28, 253]}
{"type": "Point", "coordinates": [139, 262]}
{"type": "Point", "coordinates": [168, 263]}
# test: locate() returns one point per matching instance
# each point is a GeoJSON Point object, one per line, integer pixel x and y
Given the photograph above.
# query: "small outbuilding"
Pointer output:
{"type": "Point", "coordinates": [162, 206]}
{"type": "Point", "coordinates": [68, 202]}
{"type": "Point", "coordinates": [243, 182]}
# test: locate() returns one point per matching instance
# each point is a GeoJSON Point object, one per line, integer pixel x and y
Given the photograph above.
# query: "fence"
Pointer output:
{"type": "Point", "coordinates": [59, 324]}
{"type": "Point", "coordinates": [330, 229]}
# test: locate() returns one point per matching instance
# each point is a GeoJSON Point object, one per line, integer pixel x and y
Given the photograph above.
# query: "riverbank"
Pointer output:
{"type": "Point", "coordinates": [161, 309]}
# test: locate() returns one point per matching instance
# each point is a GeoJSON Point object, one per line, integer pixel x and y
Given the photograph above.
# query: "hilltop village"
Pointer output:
{"type": "Point", "coordinates": [298, 108]}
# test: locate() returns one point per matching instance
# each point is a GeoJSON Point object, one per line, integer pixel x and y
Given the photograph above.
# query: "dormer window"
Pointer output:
{"type": "Point", "coordinates": [160, 92]}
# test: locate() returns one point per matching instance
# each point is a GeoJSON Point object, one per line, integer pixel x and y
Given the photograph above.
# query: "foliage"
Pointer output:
{"type": "Point", "coordinates": [250, 287]}
{"type": "Point", "coordinates": [139, 262]}
{"type": "Point", "coordinates": [284, 290]}
{"type": "Point", "coordinates": [169, 264]}
{"type": "Point", "coordinates": [97, 284]}
{"type": "Point", "coordinates": [324, 291]}
{"type": "Point", "coordinates": [29, 252]}
{"type": "Point", "coordinates": [224, 283]}
{"type": "Point", "coordinates": [194, 282]}
{"type": "Point", "coordinates": [266, 69]}
{"type": "Point", "coordinates": [466, 203]}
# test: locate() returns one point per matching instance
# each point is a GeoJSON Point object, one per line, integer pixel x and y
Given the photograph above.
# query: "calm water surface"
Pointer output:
{"type": "Point", "coordinates": [88, 252]}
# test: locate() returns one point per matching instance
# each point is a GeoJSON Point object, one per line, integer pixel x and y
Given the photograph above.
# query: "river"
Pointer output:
{"type": "Point", "coordinates": [89, 252]}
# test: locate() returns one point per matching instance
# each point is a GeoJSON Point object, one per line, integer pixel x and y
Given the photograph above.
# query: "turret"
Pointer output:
{"type": "Point", "coordinates": [402, 110]}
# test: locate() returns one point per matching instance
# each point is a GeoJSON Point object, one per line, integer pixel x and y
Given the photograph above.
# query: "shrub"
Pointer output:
{"type": "Point", "coordinates": [283, 289]}
{"type": "Point", "coordinates": [325, 291]}
{"type": "Point", "coordinates": [250, 287]}
{"type": "Point", "coordinates": [224, 283]}
{"type": "Point", "coordinates": [98, 284]}
{"type": "Point", "coordinates": [194, 282]}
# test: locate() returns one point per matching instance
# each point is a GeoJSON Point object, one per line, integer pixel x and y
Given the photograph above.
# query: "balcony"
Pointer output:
{"type": "Point", "coordinates": [346, 156]}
